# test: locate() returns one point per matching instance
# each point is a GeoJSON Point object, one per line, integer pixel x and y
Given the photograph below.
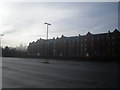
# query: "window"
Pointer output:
{"type": "Point", "coordinates": [98, 38]}
{"type": "Point", "coordinates": [112, 43]}
{"type": "Point", "coordinates": [92, 39]}
{"type": "Point", "coordinates": [61, 54]}
{"type": "Point", "coordinates": [108, 38]}
{"type": "Point", "coordinates": [81, 40]}
{"type": "Point", "coordinates": [54, 50]}
{"type": "Point", "coordinates": [73, 44]}
{"type": "Point", "coordinates": [69, 45]}
{"type": "Point", "coordinates": [113, 37]}
{"type": "Point", "coordinates": [38, 54]}
{"type": "Point", "coordinates": [91, 44]}
{"type": "Point", "coordinates": [69, 41]}
{"type": "Point", "coordinates": [81, 45]}
{"type": "Point", "coordinates": [87, 54]}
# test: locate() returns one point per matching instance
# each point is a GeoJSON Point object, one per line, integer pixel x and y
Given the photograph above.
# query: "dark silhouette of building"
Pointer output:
{"type": "Point", "coordinates": [89, 45]}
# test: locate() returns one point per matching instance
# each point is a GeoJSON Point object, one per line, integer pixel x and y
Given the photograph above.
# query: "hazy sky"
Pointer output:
{"type": "Point", "coordinates": [23, 22]}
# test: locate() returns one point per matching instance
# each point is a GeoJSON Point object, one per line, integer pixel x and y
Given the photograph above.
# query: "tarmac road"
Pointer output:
{"type": "Point", "coordinates": [33, 73]}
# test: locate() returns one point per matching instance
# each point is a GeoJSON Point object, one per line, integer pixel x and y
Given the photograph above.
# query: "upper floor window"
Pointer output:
{"type": "Point", "coordinates": [81, 40]}
{"type": "Point", "coordinates": [108, 38]}
{"type": "Point", "coordinates": [92, 39]}
{"type": "Point", "coordinates": [81, 45]}
{"type": "Point", "coordinates": [54, 50]}
{"type": "Point", "coordinates": [112, 43]}
{"type": "Point", "coordinates": [69, 41]}
{"type": "Point", "coordinates": [98, 38]}
{"type": "Point", "coordinates": [85, 39]}
{"type": "Point", "coordinates": [69, 45]}
{"type": "Point", "coordinates": [92, 44]}
{"type": "Point", "coordinates": [113, 37]}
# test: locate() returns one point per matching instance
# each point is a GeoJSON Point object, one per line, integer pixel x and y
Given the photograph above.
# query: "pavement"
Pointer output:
{"type": "Point", "coordinates": [33, 73]}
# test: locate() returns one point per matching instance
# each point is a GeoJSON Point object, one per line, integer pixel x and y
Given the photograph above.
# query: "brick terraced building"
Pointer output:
{"type": "Point", "coordinates": [82, 46]}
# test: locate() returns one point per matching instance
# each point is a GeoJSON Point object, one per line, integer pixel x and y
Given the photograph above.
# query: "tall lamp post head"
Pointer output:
{"type": "Point", "coordinates": [47, 23]}
{"type": "Point", "coordinates": [1, 34]}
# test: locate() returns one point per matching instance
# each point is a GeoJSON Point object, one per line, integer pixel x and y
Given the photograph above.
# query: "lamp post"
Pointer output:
{"type": "Point", "coordinates": [46, 61]}
{"type": "Point", "coordinates": [1, 46]}
{"type": "Point", "coordinates": [1, 61]}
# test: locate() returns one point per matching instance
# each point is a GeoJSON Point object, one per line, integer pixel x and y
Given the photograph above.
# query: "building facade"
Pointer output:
{"type": "Point", "coordinates": [89, 45]}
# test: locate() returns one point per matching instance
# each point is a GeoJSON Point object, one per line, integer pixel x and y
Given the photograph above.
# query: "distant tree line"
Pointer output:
{"type": "Point", "coordinates": [13, 52]}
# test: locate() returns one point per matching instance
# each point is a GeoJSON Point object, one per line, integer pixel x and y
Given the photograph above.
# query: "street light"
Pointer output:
{"type": "Point", "coordinates": [1, 61]}
{"type": "Point", "coordinates": [1, 46]}
{"type": "Point", "coordinates": [47, 42]}
{"type": "Point", "coordinates": [47, 28]}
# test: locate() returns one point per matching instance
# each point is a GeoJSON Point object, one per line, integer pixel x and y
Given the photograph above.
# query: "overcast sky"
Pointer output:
{"type": "Point", "coordinates": [23, 22]}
